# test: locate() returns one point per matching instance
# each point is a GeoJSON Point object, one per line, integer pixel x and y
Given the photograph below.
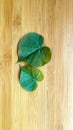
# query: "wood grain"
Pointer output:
{"type": "Point", "coordinates": [50, 107]}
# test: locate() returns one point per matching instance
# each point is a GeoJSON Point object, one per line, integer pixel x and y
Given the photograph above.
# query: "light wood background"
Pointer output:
{"type": "Point", "coordinates": [50, 107]}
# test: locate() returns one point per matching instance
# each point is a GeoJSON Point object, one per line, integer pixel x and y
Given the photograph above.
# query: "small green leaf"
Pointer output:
{"type": "Point", "coordinates": [29, 77]}
{"type": "Point", "coordinates": [31, 50]}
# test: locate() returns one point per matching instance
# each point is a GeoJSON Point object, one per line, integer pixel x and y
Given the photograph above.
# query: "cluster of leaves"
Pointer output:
{"type": "Point", "coordinates": [32, 52]}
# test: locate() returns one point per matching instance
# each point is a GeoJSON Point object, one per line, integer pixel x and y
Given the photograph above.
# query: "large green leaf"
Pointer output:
{"type": "Point", "coordinates": [29, 77]}
{"type": "Point", "coordinates": [31, 50]}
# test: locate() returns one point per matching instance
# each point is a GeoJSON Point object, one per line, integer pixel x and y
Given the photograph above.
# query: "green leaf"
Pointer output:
{"type": "Point", "coordinates": [29, 77]}
{"type": "Point", "coordinates": [31, 50]}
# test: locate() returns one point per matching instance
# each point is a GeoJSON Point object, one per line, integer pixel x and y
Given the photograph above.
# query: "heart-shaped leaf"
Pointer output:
{"type": "Point", "coordinates": [29, 77]}
{"type": "Point", "coordinates": [31, 50]}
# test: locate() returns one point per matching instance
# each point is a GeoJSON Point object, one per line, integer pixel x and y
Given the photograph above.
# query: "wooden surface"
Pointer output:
{"type": "Point", "coordinates": [50, 107]}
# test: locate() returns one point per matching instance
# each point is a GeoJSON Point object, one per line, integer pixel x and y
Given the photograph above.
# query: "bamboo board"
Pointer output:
{"type": "Point", "coordinates": [50, 107]}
